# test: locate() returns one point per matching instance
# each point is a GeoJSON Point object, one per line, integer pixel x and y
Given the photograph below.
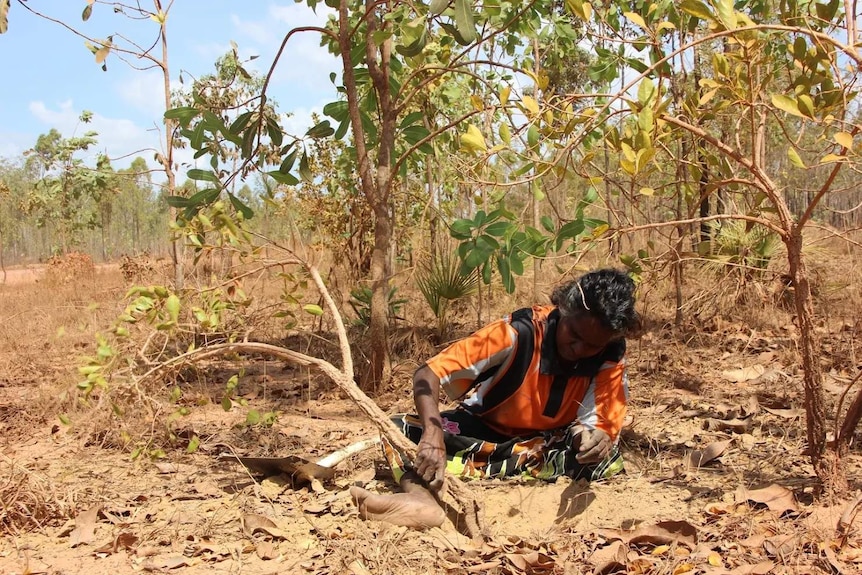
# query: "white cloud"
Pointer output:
{"type": "Point", "coordinates": [303, 71]}
{"type": "Point", "coordinates": [118, 137]}
{"type": "Point", "coordinates": [13, 144]}
{"type": "Point", "coordinates": [145, 91]}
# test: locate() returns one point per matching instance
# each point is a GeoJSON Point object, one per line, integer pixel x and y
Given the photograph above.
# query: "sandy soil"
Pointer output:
{"type": "Point", "coordinates": [93, 508]}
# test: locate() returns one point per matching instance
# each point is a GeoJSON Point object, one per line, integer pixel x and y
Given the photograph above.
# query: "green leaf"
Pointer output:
{"type": "Point", "coordinates": [253, 417]}
{"type": "Point", "coordinates": [506, 274]}
{"type": "Point", "coordinates": [697, 8]}
{"type": "Point", "coordinates": [172, 305]}
{"type": "Point", "coordinates": [304, 170]}
{"type": "Point", "coordinates": [183, 114]}
{"type": "Point", "coordinates": [795, 159]}
{"type": "Point", "coordinates": [338, 111]}
{"type": "Point", "coordinates": [321, 130]}
{"type": "Point", "coordinates": [202, 175]}
{"type": "Point", "coordinates": [461, 229]}
{"type": "Point", "coordinates": [806, 105]}
{"type": "Point", "coordinates": [194, 444]}
{"type": "Point", "coordinates": [203, 197]}
{"type": "Point", "coordinates": [226, 403]}
{"type": "Point", "coordinates": [313, 309]}
{"type": "Point", "coordinates": [88, 11]}
{"type": "Point", "coordinates": [486, 243]}
{"type": "Point", "coordinates": [241, 207]}
{"type": "Point", "coordinates": [646, 92]}
{"type": "Point", "coordinates": [64, 419]}
{"type": "Point", "coordinates": [533, 136]}
{"type": "Point", "coordinates": [548, 224]}
{"type": "Point", "coordinates": [438, 6]}
{"type": "Point", "coordinates": [786, 104]}
{"type": "Point", "coordinates": [498, 229]}
{"type": "Point", "coordinates": [414, 134]}
{"type": "Point", "coordinates": [281, 178]}
{"type": "Point", "coordinates": [464, 21]}
{"type": "Point", "coordinates": [240, 123]}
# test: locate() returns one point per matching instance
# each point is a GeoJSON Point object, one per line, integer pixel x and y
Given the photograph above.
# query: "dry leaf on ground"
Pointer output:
{"type": "Point", "coordinates": [776, 497]}
{"type": "Point", "coordinates": [701, 457]}
{"type": "Point", "coordinates": [610, 558]}
{"type": "Point", "coordinates": [734, 425]}
{"type": "Point", "coordinates": [743, 374]}
{"type": "Point", "coordinates": [661, 533]}
{"type": "Point", "coordinates": [166, 563]}
{"type": "Point", "coordinates": [85, 526]}
{"type": "Point", "coordinates": [121, 541]}
{"type": "Point", "coordinates": [266, 550]}
{"type": "Point", "coordinates": [780, 547]}
{"type": "Point", "coordinates": [761, 568]}
{"type": "Point", "coordinates": [785, 413]}
{"type": "Point", "coordinates": [252, 523]}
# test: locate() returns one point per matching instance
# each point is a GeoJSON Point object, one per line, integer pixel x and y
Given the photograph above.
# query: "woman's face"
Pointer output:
{"type": "Point", "coordinates": [581, 335]}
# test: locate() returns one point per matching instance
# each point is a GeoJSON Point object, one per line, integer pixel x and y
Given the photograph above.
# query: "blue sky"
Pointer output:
{"type": "Point", "coordinates": [50, 76]}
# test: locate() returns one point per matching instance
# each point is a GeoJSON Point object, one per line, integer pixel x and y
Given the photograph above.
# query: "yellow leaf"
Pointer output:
{"type": "Point", "coordinates": [795, 159]}
{"type": "Point", "coordinates": [707, 96]}
{"type": "Point", "coordinates": [505, 134]}
{"type": "Point", "coordinates": [636, 18]}
{"type": "Point", "coordinates": [158, 18]}
{"type": "Point", "coordinates": [543, 80]}
{"type": "Point", "coordinates": [647, 192]}
{"type": "Point", "coordinates": [831, 158]}
{"type": "Point", "coordinates": [714, 559]}
{"type": "Point", "coordinates": [531, 105]}
{"type": "Point", "coordinates": [665, 26]}
{"type": "Point", "coordinates": [787, 104]}
{"type": "Point", "coordinates": [477, 102]}
{"type": "Point", "coordinates": [473, 140]}
{"type": "Point", "coordinates": [660, 550]}
{"type": "Point", "coordinates": [844, 139]}
{"type": "Point", "coordinates": [600, 230]}
{"type": "Point", "coordinates": [504, 94]}
{"type": "Point", "coordinates": [684, 568]}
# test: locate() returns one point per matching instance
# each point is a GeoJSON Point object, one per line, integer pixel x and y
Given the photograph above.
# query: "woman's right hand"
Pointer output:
{"type": "Point", "coordinates": [430, 462]}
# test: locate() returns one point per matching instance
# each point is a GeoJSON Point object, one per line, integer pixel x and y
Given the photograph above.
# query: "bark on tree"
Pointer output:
{"type": "Point", "coordinates": [826, 463]}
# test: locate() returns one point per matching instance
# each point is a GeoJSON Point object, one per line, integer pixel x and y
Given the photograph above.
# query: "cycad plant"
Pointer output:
{"type": "Point", "coordinates": [442, 282]}
{"type": "Point", "coordinates": [750, 247]}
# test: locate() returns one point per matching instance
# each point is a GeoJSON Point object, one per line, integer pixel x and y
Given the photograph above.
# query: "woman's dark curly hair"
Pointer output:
{"type": "Point", "coordinates": [608, 294]}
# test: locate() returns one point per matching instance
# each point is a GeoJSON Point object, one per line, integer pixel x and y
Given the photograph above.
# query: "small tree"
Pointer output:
{"type": "Point", "coordinates": [68, 193]}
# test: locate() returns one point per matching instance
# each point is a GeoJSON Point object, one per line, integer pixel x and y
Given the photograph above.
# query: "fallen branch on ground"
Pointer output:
{"type": "Point", "coordinates": [468, 509]}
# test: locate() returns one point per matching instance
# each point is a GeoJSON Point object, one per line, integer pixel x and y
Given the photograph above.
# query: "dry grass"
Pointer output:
{"type": "Point", "coordinates": [28, 500]}
{"type": "Point", "coordinates": [677, 386]}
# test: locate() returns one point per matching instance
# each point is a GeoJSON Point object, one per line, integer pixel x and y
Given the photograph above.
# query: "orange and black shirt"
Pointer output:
{"type": "Point", "coordinates": [519, 384]}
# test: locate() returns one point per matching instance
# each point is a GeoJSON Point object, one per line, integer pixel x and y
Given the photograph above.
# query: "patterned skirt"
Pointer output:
{"type": "Point", "coordinates": [474, 450]}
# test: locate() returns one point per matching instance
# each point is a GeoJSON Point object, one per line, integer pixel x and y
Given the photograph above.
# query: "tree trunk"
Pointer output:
{"type": "Point", "coordinates": [379, 304]}
{"type": "Point", "coordinates": [826, 464]}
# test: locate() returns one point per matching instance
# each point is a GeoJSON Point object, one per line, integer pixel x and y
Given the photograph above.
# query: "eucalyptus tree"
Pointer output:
{"type": "Point", "coordinates": [67, 192]}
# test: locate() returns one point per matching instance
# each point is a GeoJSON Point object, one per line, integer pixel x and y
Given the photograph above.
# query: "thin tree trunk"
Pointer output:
{"type": "Point", "coordinates": [826, 463]}
{"type": "Point", "coordinates": [167, 159]}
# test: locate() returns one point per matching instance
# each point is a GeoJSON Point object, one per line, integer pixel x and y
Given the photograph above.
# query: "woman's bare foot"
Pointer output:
{"type": "Point", "coordinates": [416, 508]}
